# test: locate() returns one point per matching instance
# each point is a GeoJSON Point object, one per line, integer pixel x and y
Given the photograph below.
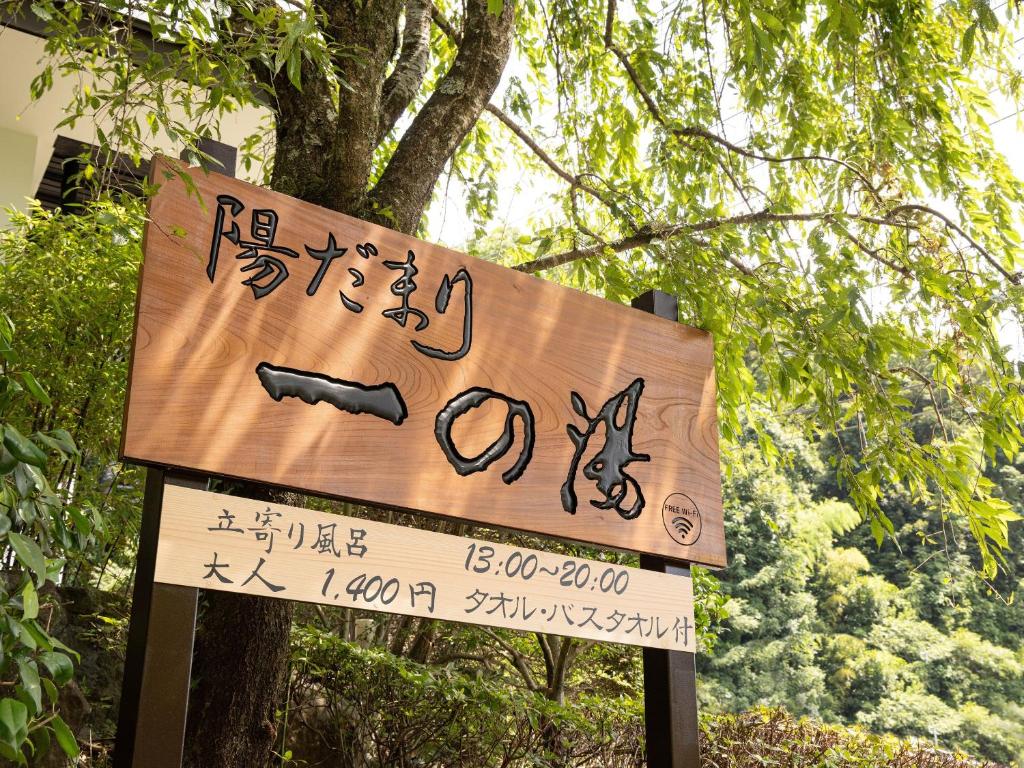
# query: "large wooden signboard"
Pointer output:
{"type": "Point", "coordinates": [233, 544]}
{"type": "Point", "coordinates": [283, 343]}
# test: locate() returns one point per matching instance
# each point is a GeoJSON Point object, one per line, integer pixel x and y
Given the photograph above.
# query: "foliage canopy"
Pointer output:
{"type": "Point", "coordinates": [816, 181]}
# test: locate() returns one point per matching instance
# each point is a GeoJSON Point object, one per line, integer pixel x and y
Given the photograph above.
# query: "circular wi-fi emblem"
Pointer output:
{"type": "Point", "coordinates": [681, 518]}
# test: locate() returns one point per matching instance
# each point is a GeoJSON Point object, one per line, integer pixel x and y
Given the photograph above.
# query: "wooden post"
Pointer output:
{"type": "Point", "coordinates": [670, 677]}
{"type": "Point", "coordinates": [161, 633]}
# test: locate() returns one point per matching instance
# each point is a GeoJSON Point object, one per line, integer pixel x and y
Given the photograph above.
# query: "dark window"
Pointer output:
{"type": "Point", "coordinates": [60, 186]}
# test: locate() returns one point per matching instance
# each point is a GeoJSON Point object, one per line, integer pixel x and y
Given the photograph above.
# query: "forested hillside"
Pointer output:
{"type": "Point", "coordinates": [903, 637]}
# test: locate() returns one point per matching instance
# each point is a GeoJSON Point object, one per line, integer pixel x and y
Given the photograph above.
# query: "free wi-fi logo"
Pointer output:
{"type": "Point", "coordinates": [683, 525]}
{"type": "Point", "coordinates": [682, 519]}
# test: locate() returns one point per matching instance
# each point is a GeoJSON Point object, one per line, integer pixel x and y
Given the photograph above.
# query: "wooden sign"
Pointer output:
{"type": "Point", "coordinates": [229, 543]}
{"type": "Point", "coordinates": [291, 345]}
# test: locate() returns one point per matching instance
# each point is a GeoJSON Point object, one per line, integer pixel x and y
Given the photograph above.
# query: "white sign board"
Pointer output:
{"type": "Point", "coordinates": [214, 541]}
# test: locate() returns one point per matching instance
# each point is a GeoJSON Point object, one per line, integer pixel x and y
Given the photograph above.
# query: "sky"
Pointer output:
{"type": "Point", "coordinates": [1008, 133]}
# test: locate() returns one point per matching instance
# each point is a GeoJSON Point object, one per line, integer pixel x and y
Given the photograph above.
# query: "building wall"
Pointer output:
{"type": "Point", "coordinates": [27, 128]}
{"type": "Point", "coordinates": [17, 170]}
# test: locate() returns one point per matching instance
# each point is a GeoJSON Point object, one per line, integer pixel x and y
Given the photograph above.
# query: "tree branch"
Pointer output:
{"type": "Point", "coordinates": [648, 235]}
{"type": "Point", "coordinates": [404, 81]}
{"type": "Point", "coordinates": [479, 658]}
{"type": "Point", "coordinates": [561, 667]}
{"type": "Point", "coordinates": [370, 29]}
{"type": "Point", "coordinates": [931, 392]}
{"type": "Point", "coordinates": [696, 132]}
{"type": "Point", "coordinates": [423, 640]}
{"type": "Point", "coordinates": [519, 661]}
{"type": "Point", "coordinates": [875, 253]}
{"type": "Point", "coordinates": [445, 26]}
{"type": "Point", "coordinates": [574, 181]}
{"type": "Point", "coordinates": [1013, 277]}
{"type": "Point", "coordinates": [549, 657]}
{"type": "Point", "coordinates": [703, 133]}
{"type": "Point", "coordinates": [403, 191]}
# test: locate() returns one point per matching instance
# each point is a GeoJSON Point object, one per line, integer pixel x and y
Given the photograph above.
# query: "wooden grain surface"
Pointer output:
{"type": "Point", "coordinates": [234, 544]}
{"type": "Point", "coordinates": [195, 400]}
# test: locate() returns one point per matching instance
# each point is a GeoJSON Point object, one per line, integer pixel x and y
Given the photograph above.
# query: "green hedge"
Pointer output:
{"type": "Point", "coordinates": [364, 707]}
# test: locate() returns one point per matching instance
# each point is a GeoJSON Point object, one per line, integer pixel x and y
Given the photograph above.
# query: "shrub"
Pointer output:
{"type": "Point", "coordinates": [366, 708]}
{"type": "Point", "coordinates": [771, 737]}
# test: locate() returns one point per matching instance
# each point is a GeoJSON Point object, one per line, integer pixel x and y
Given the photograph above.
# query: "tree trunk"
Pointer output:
{"type": "Point", "coordinates": [558, 653]}
{"type": "Point", "coordinates": [238, 672]}
{"type": "Point", "coordinates": [325, 145]}
{"type": "Point", "coordinates": [238, 676]}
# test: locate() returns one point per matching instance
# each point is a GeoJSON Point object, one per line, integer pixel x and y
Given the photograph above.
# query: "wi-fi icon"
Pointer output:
{"type": "Point", "coordinates": [681, 518]}
{"type": "Point", "coordinates": [683, 525]}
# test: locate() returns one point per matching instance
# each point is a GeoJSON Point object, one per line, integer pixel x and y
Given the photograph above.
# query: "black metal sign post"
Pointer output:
{"type": "Point", "coordinates": [158, 657]}
{"type": "Point", "coordinates": [670, 677]}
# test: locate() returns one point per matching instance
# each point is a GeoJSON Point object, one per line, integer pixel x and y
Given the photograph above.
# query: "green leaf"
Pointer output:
{"type": "Point", "coordinates": [34, 636]}
{"type": "Point", "coordinates": [8, 461]}
{"type": "Point", "coordinates": [13, 723]}
{"type": "Point", "coordinates": [35, 388]}
{"type": "Point", "coordinates": [23, 448]}
{"type": "Point", "coordinates": [295, 68]}
{"type": "Point", "coordinates": [41, 11]}
{"type": "Point", "coordinates": [21, 631]}
{"type": "Point", "coordinates": [81, 521]}
{"type": "Point", "coordinates": [53, 444]}
{"type": "Point", "coordinates": [30, 682]}
{"type": "Point", "coordinates": [770, 21]}
{"type": "Point", "coordinates": [65, 440]}
{"type": "Point", "coordinates": [59, 666]}
{"type": "Point", "coordinates": [50, 689]}
{"type": "Point", "coordinates": [40, 742]}
{"type": "Point", "coordinates": [27, 511]}
{"type": "Point", "coordinates": [65, 737]}
{"type": "Point", "coordinates": [495, 6]}
{"type": "Point", "coordinates": [29, 555]}
{"type": "Point", "coordinates": [29, 601]}
{"type": "Point", "coordinates": [25, 479]}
